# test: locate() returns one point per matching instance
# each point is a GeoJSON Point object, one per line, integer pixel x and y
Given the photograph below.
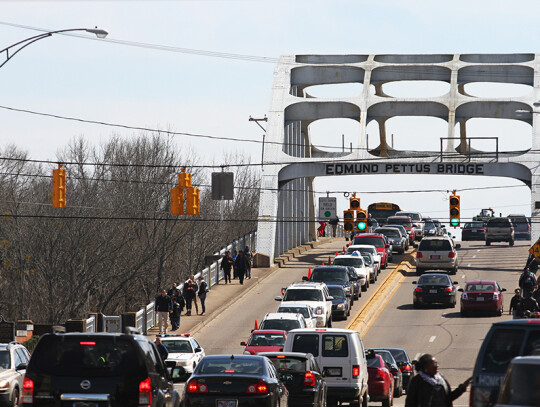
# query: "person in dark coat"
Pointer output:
{"type": "Point", "coordinates": [190, 294]}
{"type": "Point", "coordinates": [203, 289]}
{"type": "Point", "coordinates": [226, 265]}
{"type": "Point", "coordinates": [516, 305]}
{"type": "Point", "coordinates": [240, 266]}
{"type": "Point", "coordinates": [429, 388]}
{"type": "Point", "coordinates": [527, 283]}
{"type": "Point", "coordinates": [163, 307]}
{"type": "Point", "coordinates": [162, 349]}
{"type": "Point", "coordinates": [178, 306]}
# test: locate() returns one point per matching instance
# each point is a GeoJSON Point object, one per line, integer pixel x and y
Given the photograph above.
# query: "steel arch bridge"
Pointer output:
{"type": "Point", "coordinates": [291, 161]}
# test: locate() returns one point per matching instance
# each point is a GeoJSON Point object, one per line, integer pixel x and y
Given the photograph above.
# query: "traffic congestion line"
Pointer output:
{"type": "Point", "coordinates": [367, 315]}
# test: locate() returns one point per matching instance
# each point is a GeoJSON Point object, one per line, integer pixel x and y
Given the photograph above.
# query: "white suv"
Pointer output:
{"type": "Point", "coordinates": [356, 261]}
{"type": "Point", "coordinates": [316, 295]}
{"type": "Point", "coordinates": [14, 359]}
{"type": "Point", "coordinates": [282, 321]}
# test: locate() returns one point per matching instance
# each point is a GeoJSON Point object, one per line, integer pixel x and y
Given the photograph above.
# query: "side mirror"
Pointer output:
{"type": "Point", "coordinates": [243, 343]}
{"type": "Point", "coordinates": [414, 282]}
{"type": "Point", "coordinates": [178, 373]}
{"type": "Point", "coordinates": [21, 366]}
{"type": "Point", "coordinates": [503, 289]}
{"type": "Point", "coordinates": [455, 282]}
{"type": "Point", "coordinates": [277, 298]}
{"type": "Point", "coordinates": [305, 278]}
{"type": "Point", "coordinates": [330, 298]}
{"type": "Point", "coordinates": [197, 350]}
{"type": "Point", "coordinates": [458, 246]}
{"type": "Point", "coordinates": [460, 289]}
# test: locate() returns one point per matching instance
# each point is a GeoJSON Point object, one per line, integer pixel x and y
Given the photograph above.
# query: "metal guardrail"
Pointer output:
{"type": "Point", "coordinates": [140, 319]}
{"type": "Point", "coordinates": [150, 317]}
{"type": "Point", "coordinates": [112, 324]}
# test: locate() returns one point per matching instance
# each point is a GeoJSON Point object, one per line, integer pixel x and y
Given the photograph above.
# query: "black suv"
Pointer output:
{"type": "Point", "coordinates": [80, 369]}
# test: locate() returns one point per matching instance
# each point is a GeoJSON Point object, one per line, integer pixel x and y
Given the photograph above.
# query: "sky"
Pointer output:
{"type": "Point", "coordinates": [140, 86]}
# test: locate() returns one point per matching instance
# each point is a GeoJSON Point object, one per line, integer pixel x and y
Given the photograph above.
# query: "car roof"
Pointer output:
{"type": "Point", "coordinates": [399, 217]}
{"type": "Point", "coordinates": [295, 354]}
{"type": "Point", "coordinates": [268, 331]}
{"type": "Point", "coordinates": [435, 238]}
{"type": "Point", "coordinates": [343, 256]}
{"type": "Point", "coordinates": [332, 266]}
{"type": "Point", "coordinates": [362, 246]}
{"type": "Point", "coordinates": [321, 330]}
{"type": "Point", "coordinates": [369, 235]}
{"type": "Point", "coordinates": [309, 285]}
{"type": "Point", "coordinates": [335, 286]}
{"type": "Point", "coordinates": [282, 315]}
{"type": "Point", "coordinates": [229, 356]}
{"type": "Point", "coordinates": [173, 337]}
{"type": "Point", "coordinates": [294, 304]}
{"type": "Point", "coordinates": [434, 274]}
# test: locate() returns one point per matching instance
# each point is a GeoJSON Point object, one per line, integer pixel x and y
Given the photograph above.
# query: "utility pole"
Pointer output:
{"type": "Point", "coordinates": [264, 119]}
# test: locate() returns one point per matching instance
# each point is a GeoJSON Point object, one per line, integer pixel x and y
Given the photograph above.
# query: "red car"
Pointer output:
{"type": "Point", "coordinates": [264, 340]}
{"type": "Point", "coordinates": [376, 240]}
{"type": "Point", "coordinates": [482, 295]}
{"type": "Point", "coordinates": [380, 381]}
{"type": "Point", "coordinates": [404, 221]}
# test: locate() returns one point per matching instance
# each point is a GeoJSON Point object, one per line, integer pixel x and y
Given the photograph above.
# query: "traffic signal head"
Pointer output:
{"type": "Point", "coordinates": [348, 220]}
{"type": "Point", "coordinates": [192, 201]}
{"type": "Point", "coordinates": [354, 203]}
{"type": "Point", "coordinates": [177, 201]}
{"type": "Point", "coordinates": [59, 188]}
{"type": "Point", "coordinates": [361, 220]}
{"type": "Point", "coordinates": [184, 179]}
{"type": "Point", "coordinates": [455, 211]}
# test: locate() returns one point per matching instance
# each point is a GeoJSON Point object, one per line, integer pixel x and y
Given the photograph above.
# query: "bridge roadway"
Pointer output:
{"type": "Point", "coordinates": [441, 331]}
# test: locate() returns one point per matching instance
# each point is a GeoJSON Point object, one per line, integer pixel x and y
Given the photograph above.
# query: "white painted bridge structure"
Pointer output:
{"type": "Point", "coordinates": [291, 161]}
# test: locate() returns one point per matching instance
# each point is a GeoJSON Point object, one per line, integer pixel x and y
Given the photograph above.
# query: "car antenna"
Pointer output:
{"type": "Point", "coordinates": [232, 357]}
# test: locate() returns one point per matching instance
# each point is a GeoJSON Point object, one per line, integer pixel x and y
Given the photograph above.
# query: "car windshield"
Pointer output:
{"type": "Point", "coordinates": [294, 363]}
{"type": "Point", "coordinates": [280, 324]}
{"type": "Point", "coordinates": [302, 295]}
{"type": "Point", "coordinates": [4, 359]}
{"type": "Point", "coordinates": [434, 280]}
{"type": "Point", "coordinates": [480, 287]}
{"type": "Point", "coordinates": [266, 340]}
{"type": "Point", "coordinates": [389, 232]}
{"type": "Point", "coordinates": [236, 365]}
{"type": "Point", "coordinates": [521, 385]}
{"type": "Point", "coordinates": [387, 356]}
{"type": "Point", "coordinates": [402, 222]}
{"type": "Point", "coordinates": [412, 215]}
{"type": "Point", "coordinates": [373, 362]}
{"type": "Point", "coordinates": [399, 355]}
{"type": "Point", "coordinates": [367, 260]}
{"type": "Point", "coordinates": [373, 241]}
{"type": "Point", "coordinates": [429, 225]}
{"type": "Point", "coordinates": [434, 245]}
{"type": "Point", "coordinates": [321, 275]}
{"type": "Point", "coordinates": [175, 346]}
{"type": "Point", "coordinates": [336, 292]}
{"type": "Point", "coordinates": [295, 310]}
{"type": "Point", "coordinates": [349, 261]}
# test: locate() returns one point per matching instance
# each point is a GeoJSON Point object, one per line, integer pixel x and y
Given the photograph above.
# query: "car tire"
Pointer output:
{"type": "Point", "coordinates": [329, 323]}
{"type": "Point", "coordinates": [356, 295]}
{"type": "Point", "coordinates": [15, 398]}
{"type": "Point", "coordinates": [387, 402]}
{"type": "Point", "coordinates": [364, 399]}
{"type": "Point", "coordinates": [415, 305]}
{"type": "Point", "coordinates": [511, 242]}
{"type": "Point", "coordinates": [453, 304]}
{"type": "Point", "coordinates": [488, 243]}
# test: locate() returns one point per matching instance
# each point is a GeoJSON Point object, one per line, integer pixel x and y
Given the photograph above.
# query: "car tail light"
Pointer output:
{"type": "Point", "coordinates": [528, 227]}
{"type": "Point", "coordinates": [145, 392]}
{"type": "Point", "coordinates": [511, 230]}
{"type": "Point", "coordinates": [259, 388]}
{"type": "Point", "coordinates": [418, 290]}
{"type": "Point", "coordinates": [495, 296]}
{"type": "Point", "coordinates": [464, 296]}
{"type": "Point", "coordinates": [309, 379]}
{"type": "Point", "coordinates": [355, 371]}
{"type": "Point", "coordinates": [28, 391]}
{"type": "Point", "coordinates": [195, 387]}
{"type": "Point", "coordinates": [419, 255]}
{"type": "Point", "coordinates": [406, 368]}
{"type": "Point", "coordinates": [451, 255]}
{"type": "Point", "coordinates": [448, 290]}
{"type": "Point", "coordinates": [380, 373]}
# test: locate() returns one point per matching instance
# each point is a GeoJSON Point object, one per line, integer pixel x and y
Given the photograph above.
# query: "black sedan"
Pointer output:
{"type": "Point", "coordinates": [341, 304]}
{"type": "Point", "coordinates": [432, 288]}
{"type": "Point", "coordinates": [235, 381]}
{"type": "Point", "coordinates": [404, 364]}
{"type": "Point", "coordinates": [302, 376]}
{"type": "Point", "coordinates": [473, 231]}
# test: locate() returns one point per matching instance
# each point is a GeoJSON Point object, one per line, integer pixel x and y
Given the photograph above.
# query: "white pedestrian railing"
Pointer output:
{"type": "Point", "coordinates": [91, 324]}
{"type": "Point", "coordinates": [112, 323]}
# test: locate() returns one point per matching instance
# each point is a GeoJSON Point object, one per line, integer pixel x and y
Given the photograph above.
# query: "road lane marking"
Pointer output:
{"type": "Point", "coordinates": [469, 265]}
{"type": "Point", "coordinates": [474, 256]}
{"type": "Point", "coordinates": [432, 339]}
{"type": "Point", "coordinates": [478, 250]}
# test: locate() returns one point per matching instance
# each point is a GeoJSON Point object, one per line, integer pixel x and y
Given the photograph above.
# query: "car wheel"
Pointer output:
{"type": "Point", "coordinates": [511, 242]}
{"type": "Point", "coordinates": [348, 313]}
{"type": "Point", "coordinates": [415, 305]}
{"type": "Point", "coordinates": [364, 399]}
{"type": "Point", "coordinates": [488, 243]}
{"type": "Point", "coordinates": [387, 402]}
{"type": "Point", "coordinates": [15, 398]}
{"type": "Point", "coordinates": [453, 304]}
{"type": "Point", "coordinates": [364, 287]}
{"type": "Point", "coordinates": [329, 323]}
{"type": "Point", "coordinates": [357, 295]}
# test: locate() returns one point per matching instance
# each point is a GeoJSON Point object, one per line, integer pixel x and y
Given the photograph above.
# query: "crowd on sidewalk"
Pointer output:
{"type": "Point", "coordinates": [526, 300]}
{"type": "Point", "coordinates": [170, 304]}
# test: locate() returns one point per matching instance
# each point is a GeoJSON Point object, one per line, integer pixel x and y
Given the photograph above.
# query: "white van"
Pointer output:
{"type": "Point", "coordinates": [340, 354]}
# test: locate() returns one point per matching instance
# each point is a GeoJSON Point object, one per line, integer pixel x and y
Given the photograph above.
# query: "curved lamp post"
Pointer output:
{"type": "Point", "coordinates": [24, 43]}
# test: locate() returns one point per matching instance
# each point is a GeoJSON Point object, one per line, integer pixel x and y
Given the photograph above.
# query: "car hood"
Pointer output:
{"type": "Point", "coordinates": [312, 304]}
{"type": "Point", "coordinates": [7, 373]}
{"type": "Point", "coordinates": [180, 356]}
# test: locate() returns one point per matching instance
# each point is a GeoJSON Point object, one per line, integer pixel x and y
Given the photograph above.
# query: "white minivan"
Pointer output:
{"type": "Point", "coordinates": [340, 354]}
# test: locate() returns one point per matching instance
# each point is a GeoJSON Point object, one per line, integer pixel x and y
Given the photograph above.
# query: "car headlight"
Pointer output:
{"type": "Point", "coordinates": [247, 352]}
{"type": "Point", "coordinates": [4, 384]}
{"type": "Point", "coordinates": [341, 306]}
{"type": "Point", "coordinates": [319, 310]}
{"type": "Point", "coordinates": [183, 363]}
{"type": "Point", "coordinates": [347, 289]}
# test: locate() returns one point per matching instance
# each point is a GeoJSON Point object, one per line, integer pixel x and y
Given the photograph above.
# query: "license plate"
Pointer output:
{"type": "Point", "coordinates": [475, 230]}
{"type": "Point", "coordinates": [435, 256]}
{"type": "Point", "coordinates": [333, 371]}
{"type": "Point", "coordinates": [479, 298]}
{"type": "Point", "coordinates": [433, 291]}
{"type": "Point", "coordinates": [227, 403]}
{"type": "Point", "coordinates": [85, 404]}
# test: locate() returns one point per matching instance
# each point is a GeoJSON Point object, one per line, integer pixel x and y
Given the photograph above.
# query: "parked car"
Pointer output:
{"type": "Point", "coordinates": [341, 304]}
{"type": "Point", "coordinates": [14, 359]}
{"type": "Point", "coordinates": [504, 341]}
{"type": "Point", "coordinates": [376, 240]}
{"type": "Point", "coordinates": [406, 222]}
{"type": "Point", "coordinates": [394, 369]}
{"type": "Point", "coordinates": [522, 227]}
{"type": "Point", "coordinates": [300, 308]}
{"type": "Point", "coordinates": [356, 261]}
{"type": "Point", "coordinates": [282, 321]}
{"type": "Point", "coordinates": [184, 350]}
{"type": "Point", "coordinates": [437, 252]}
{"type": "Point", "coordinates": [397, 241]}
{"type": "Point", "coordinates": [363, 248]}
{"type": "Point", "coordinates": [235, 380]}
{"type": "Point", "coordinates": [432, 288]}
{"type": "Point", "coordinates": [264, 340]}
{"type": "Point", "coordinates": [315, 295]}
{"type": "Point", "coordinates": [340, 355]}
{"type": "Point", "coordinates": [482, 295]}
{"type": "Point", "coordinates": [499, 230]}
{"type": "Point", "coordinates": [98, 369]}
{"type": "Point", "coordinates": [381, 380]}
{"type": "Point", "coordinates": [302, 376]}
{"type": "Point", "coordinates": [473, 231]}
{"type": "Point", "coordinates": [520, 385]}
{"type": "Point", "coordinates": [404, 364]}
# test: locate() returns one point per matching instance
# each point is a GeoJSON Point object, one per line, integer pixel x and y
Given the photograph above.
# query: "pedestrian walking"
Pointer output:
{"type": "Point", "coordinates": [516, 305]}
{"type": "Point", "coordinates": [163, 307]}
{"type": "Point", "coordinates": [527, 283]}
{"type": "Point", "coordinates": [203, 289]}
{"type": "Point", "coordinates": [249, 261]}
{"type": "Point", "coordinates": [240, 266]}
{"type": "Point", "coordinates": [530, 306]}
{"type": "Point", "coordinates": [178, 306]}
{"type": "Point", "coordinates": [190, 294]}
{"type": "Point", "coordinates": [334, 222]}
{"type": "Point", "coordinates": [429, 388]}
{"type": "Point", "coordinates": [320, 229]}
{"type": "Point", "coordinates": [226, 265]}
{"type": "Point", "coordinates": [162, 349]}
{"type": "Point", "coordinates": [235, 272]}
{"type": "Point", "coordinates": [532, 263]}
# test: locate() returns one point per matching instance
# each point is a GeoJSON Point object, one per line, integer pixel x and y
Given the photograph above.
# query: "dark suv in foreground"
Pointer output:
{"type": "Point", "coordinates": [97, 370]}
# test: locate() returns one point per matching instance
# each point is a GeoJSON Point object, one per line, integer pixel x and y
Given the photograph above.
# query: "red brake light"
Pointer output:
{"type": "Point", "coordinates": [448, 290]}
{"type": "Point", "coordinates": [419, 255]}
{"type": "Point", "coordinates": [406, 368]}
{"type": "Point", "coordinates": [28, 391]}
{"type": "Point", "coordinates": [145, 391]}
{"type": "Point", "coordinates": [451, 255]}
{"type": "Point", "coordinates": [195, 387]}
{"type": "Point", "coordinates": [87, 343]}
{"type": "Point", "coordinates": [259, 388]}
{"type": "Point", "coordinates": [418, 290]}
{"type": "Point", "coordinates": [309, 379]}
{"type": "Point", "coordinates": [280, 356]}
{"type": "Point", "coordinates": [229, 371]}
{"type": "Point", "coordinates": [356, 371]}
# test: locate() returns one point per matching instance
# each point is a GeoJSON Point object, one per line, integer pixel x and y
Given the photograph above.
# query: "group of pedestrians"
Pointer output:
{"type": "Point", "coordinates": [240, 264]}
{"type": "Point", "coordinates": [526, 300]}
{"type": "Point", "coordinates": [170, 304]}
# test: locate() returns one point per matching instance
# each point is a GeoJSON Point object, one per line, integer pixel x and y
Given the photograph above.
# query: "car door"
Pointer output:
{"type": "Point", "coordinates": [335, 359]}
{"type": "Point", "coordinates": [198, 355]}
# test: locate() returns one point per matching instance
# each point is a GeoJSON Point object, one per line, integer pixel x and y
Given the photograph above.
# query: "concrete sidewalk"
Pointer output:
{"type": "Point", "coordinates": [223, 295]}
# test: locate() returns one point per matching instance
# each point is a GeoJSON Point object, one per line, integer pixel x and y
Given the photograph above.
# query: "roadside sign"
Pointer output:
{"type": "Point", "coordinates": [535, 250]}
{"type": "Point", "coordinates": [327, 207]}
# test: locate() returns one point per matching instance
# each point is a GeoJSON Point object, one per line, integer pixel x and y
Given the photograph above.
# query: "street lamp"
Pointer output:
{"type": "Point", "coordinates": [24, 43]}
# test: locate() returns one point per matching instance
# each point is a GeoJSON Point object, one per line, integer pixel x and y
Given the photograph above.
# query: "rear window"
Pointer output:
{"type": "Point", "coordinates": [402, 222]}
{"type": "Point", "coordinates": [267, 340]}
{"type": "Point", "coordinates": [374, 241]}
{"type": "Point", "coordinates": [480, 287]}
{"type": "Point", "coordinates": [280, 324]}
{"type": "Point", "coordinates": [519, 219]}
{"type": "Point", "coordinates": [504, 344]}
{"type": "Point", "coordinates": [303, 295]}
{"type": "Point", "coordinates": [296, 364]}
{"type": "Point", "coordinates": [499, 223]}
{"type": "Point", "coordinates": [367, 260]}
{"type": "Point", "coordinates": [335, 346]}
{"type": "Point", "coordinates": [84, 356]}
{"type": "Point", "coordinates": [306, 343]}
{"type": "Point", "coordinates": [412, 215]}
{"type": "Point", "coordinates": [373, 362]}
{"type": "Point", "coordinates": [239, 365]}
{"type": "Point", "coordinates": [474, 225]}
{"type": "Point", "coordinates": [387, 356]}
{"type": "Point", "coordinates": [389, 232]}
{"type": "Point", "coordinates": [329, 275]}
{"type": "Point", "coordinates": [434, 245]}
{"type": "Point", "coordinates": [399, 355]}
{"type": "Point", "coordinates": [349, 261]}
{"type": "Point", "coordinates": [437, 280]}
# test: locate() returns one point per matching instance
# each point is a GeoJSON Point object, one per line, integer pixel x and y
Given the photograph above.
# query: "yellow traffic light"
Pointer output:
{"type": "Point", "coordinates": [59, 187]}
{"type": "Point", "coordinates": [348, 220]}
{"type": "Point", "coordinates": [354, 203]}
{"type": "Point", "coordinates": [361, 220]}
{"type": "Point", "coordinates": [184, 179]}
{"type": "Point", "coordinates": [192, 201]}
{"type": "Point", "coordinates": [455, 211]}
{"type": "Point", "coordinates": [177, 201]}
